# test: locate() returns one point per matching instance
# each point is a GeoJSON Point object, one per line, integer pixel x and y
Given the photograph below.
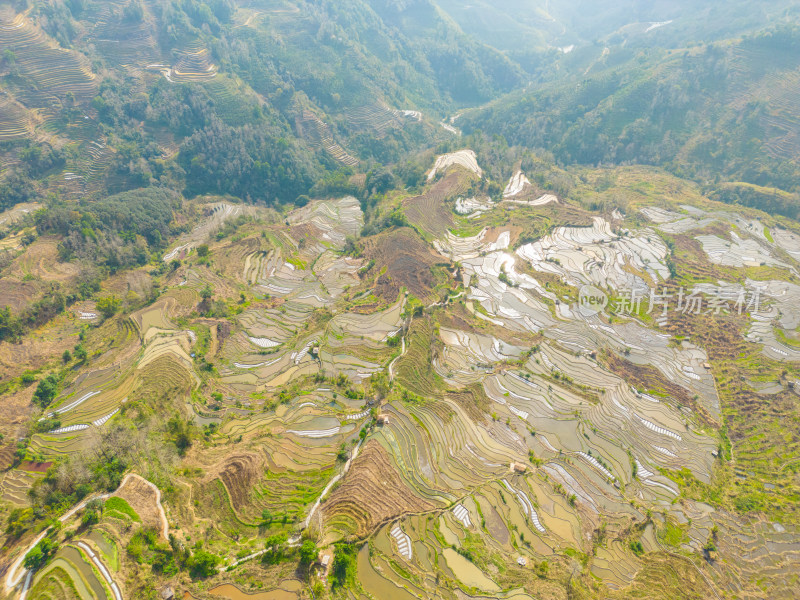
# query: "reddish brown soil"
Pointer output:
{"type": "Point", "coordinates": [647, 378]}
{"type": "Point", "coordinates": [35, 467]}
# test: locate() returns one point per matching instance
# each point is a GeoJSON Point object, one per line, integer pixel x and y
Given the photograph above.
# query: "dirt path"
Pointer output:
{"type": "Point", "coordinates": [391, 364]}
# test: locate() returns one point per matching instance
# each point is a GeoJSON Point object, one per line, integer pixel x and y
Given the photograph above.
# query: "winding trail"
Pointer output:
{"type": "Point", "coordinates": [16, 575]}
{"type": "Point", "coordinates": [391, 364]}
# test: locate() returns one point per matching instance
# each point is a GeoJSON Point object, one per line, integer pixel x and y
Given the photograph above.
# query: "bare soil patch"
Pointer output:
{"type": "Point", "coordinates": [403, 260]}
{"type": "Point", "coordinates": [143, 500]}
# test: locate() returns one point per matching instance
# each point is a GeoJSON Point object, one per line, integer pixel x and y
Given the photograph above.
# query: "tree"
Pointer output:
{"type": "Point", "coordinates": [206, 294]}
{"type": "Point", "coordinates": [274, 546]}
{"type": "Point", "coordinates": [90, 518]}
{"type": "Point", "coordinates": [202, 564]}
{"type": "Point", "coordinates": [108, 305]}
{"type": "Point", "coordinates": [202, 250]}
{"type": "Point", "coordinates": [257, 163]}
{"type": "Point", "coordinates": [18, 522]}
{"type": "Point", "coordinates": [67, 356]}
{"type": "Point", "coordinates": [11, 326]}
{"type": "Point", "coordinates": [380, 382]}
{"type": "Point", "coordinates": [542, 569]}
{"type": "Point", "coordinates": [80, 353]}
{"type": "Point", "coordinates": [308, 553]}
{"type": "Point", "coordinates": [343, 566]}
{"type": "Point", "coordinates": [181, 432]}
{"type": "Point", "coordinates": [46, 391]}
{"type": "Point", "coordinates": [40, 553]}
{"type": "Point", "coordinates": [92, 513]}
{"type": "Point", "coordinates": [133, 12]}
{"type": "Point", "coordinates": [35, 558]}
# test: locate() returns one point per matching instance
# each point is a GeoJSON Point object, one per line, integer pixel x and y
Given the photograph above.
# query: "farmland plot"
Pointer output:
{"type": "Point", "coordinates": [441, 400]}
{"type": "Point", "coordinates": [51, 71]}
{"type": "Point", "coordinates": [218, 213]}
{"type": "Point", "coordinates": [599, 256]}
{"type": "Point", "coordinates": [463, 158]}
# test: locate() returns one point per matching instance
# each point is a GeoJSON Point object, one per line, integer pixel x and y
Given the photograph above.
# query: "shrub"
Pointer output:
{"type": "Point", "coordinates": [40, 554]}
{"type": "Point", "coordinates": [202, 564]}
{"type": "Point", "coordinates": [46, 391]}
{"type": "Point", "coordinates": [108, 305]}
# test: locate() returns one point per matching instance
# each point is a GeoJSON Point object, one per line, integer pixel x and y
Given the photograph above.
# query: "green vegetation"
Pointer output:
{"type": "Point", "coordinates": [672, 534]}
{"type": "Point", "coordinates": [144, 547]}
{"type": "Point", "coordinates": [46, 391]}
{"type": "Point", "coordinates": [116, 506]}
{"type": "Point", "coordinates": [631, 111]}
{"type": "Point", "coordinates": [40, 554]}
{"type": "Point", "coordinates": [344, 565]}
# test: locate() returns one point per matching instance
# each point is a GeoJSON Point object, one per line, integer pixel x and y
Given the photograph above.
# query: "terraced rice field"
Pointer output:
{"type": "Point", "coordinates": [319, 134]}
{"type": "Point", "coordinates": [12, 215]}
{"type": "Point", "coordinates": [462, 158]}
{"type": "Point", "coordinates": [517, 433]}
{"type": "Point", "coordinates": [193, 65]}
{"type": "Point", "coordinates": [218, 213]}
{"type": "Point", "coordinates": [429, 211]}
{"type": "Point", "coordinates": [516, 185]}
{"type": "Point", "coordinates": [375, 118]}
{"type": "Point", "coordinates": [596, 432]}
{"type": "Point", "coordinates": [273, 347]}
{"type": "Point", "coordinates": [51, 71]}
{"type": "Point", "coordinates": [598, 256]}
{"type": "Point", "coordinates": [15, 122]}
{"type": "Point", "coordinates": [126, 42]}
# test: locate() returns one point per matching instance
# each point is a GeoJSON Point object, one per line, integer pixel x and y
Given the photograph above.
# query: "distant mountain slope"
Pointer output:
{"type": "Point", "coordinates": [723, 111]}
{"type": "Point", "coordinates": [519, 26]}
{"type": "Point", "coordinates": [117, 87]}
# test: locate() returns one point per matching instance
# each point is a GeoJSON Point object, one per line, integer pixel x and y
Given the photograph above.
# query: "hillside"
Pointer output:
{"type": "Point", "coordinates": [720, 112]}
{"type": "Point", "coordinates": [399, 299]}
{"type": "Point", "coordinates": [521, 27]}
